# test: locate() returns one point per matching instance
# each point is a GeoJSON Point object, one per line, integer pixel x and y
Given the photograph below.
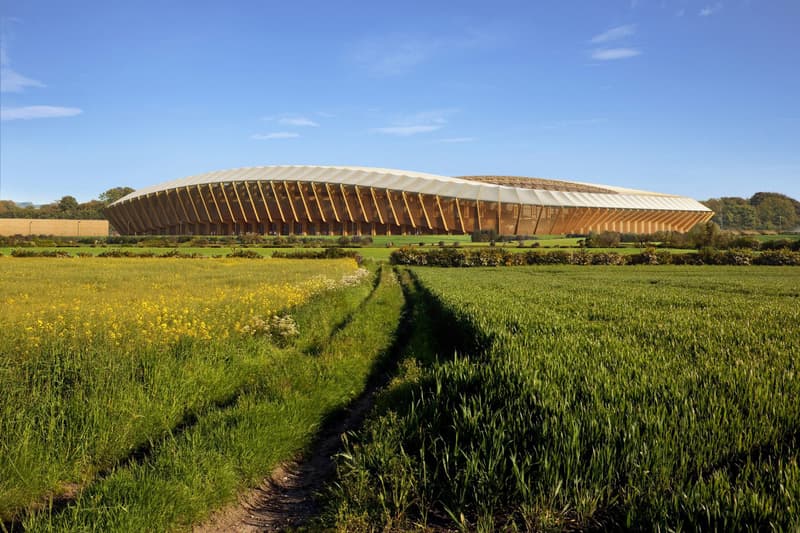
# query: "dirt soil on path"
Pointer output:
{"type": "Point", "coordinates": [286, 499]}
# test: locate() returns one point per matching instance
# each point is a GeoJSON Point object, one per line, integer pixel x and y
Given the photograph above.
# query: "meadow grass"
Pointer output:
{"type": "Point", "coordinates": [100, 359]}
{"type": "Point", "coordinates": [231, 447]}
{"type": "Point", "coordinates": [660, 398]}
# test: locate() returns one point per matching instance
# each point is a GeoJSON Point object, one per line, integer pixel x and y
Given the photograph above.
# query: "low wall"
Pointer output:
{"type": "Point", "coordinates": [54, 226]}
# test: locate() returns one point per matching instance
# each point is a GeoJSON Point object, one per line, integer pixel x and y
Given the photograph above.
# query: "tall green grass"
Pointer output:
{"type": "Point", "coordinates": [651, 399]}
{"type": "Point", "coordinates": [78, 401]}
{"type": "Point", "coordinates": [190, 472]}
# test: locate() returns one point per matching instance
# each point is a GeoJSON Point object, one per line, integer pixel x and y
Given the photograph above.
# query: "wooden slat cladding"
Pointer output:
{"type": "Point", "coordinates": [318, 207]}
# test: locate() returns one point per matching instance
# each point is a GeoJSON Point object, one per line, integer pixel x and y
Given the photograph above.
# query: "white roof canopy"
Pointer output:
{"type": "Point", "coordinates": [418, 182]}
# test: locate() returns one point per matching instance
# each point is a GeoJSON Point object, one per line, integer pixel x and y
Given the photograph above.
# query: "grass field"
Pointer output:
{"type": "Point", "coordinates": [131, 383]}
{"type": "Point", "coordinates": [662, 398]}
{"type": "Point", "coordinates": [143, 393]}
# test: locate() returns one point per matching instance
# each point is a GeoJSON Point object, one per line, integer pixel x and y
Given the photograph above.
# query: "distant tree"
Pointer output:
{"type": "Point", "coordinates": [775, 211]}
{"type": "Point", "coordinates": [732, 213]}
{"type": "Point", "coordinates": [759, 197]}
{"type": "Point", "coordinates": [68, 205]}
{"type": "Point", "coordinates": [112, 195]}
{"type": "Point", "coordinates": [605, 239]}
{"type": "Point", "coordinates": [764, 210]}
{"type": "Point", "coordinates": [93, 209]}
{"type": "Point", "coordinates": [8, 209]}
{"type": "Point", "coordinates": [704, 235]}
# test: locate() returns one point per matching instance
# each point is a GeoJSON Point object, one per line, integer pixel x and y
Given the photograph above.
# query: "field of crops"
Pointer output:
{"type": "Point", "coordinates": [656, 398]}
{"type": "Point", "coordinates": [138, 394]}
{"type": "Point", "coordinates": [141, 394]}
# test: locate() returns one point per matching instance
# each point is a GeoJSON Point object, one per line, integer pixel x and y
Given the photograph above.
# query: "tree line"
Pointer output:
{"type": "Point", "coordinates": [763, 210]}
{"type": "Point", "coordinates": [67, 207]}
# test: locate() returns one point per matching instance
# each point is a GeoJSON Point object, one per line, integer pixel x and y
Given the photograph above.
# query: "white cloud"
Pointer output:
{"type": "Point", "coordinates": [275, 135]}
{"type": "Point", "coordinates": [435, 116]}
{"type": "Point", "coordinates": [450, 140]}
{"type": "Point", "coordinates": [14, 82]}
{"type": "Point", "coordinates": [395, 54]}
{"type": "Point", "coordinates": [405, 131]}
{"type": "Point", "coordinates": [38, 111]}
{"type": "Point", "coordinates": [421, 122]}
{"type": "Point", "coordinates": [710, 10]}
{"type": "Point", "coordinates": [613, 34]}
{"type": "Point", "coordinates": [298, 121]}
{"type": "Point", "coordinates": [607, 54]}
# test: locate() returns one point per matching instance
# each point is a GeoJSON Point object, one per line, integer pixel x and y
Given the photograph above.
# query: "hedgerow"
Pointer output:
{"type": "Point", "coordinates": [476, 257]}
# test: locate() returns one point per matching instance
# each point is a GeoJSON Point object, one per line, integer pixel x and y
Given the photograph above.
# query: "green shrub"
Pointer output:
{"type": "Point", "coordinates": [245, 254]}
{"type": "Point", "coordinates": [332, 252]}
{"type": "Point", "coordinates": [17, 252]}
{"type": "Point", "coordinates": [783, 257]}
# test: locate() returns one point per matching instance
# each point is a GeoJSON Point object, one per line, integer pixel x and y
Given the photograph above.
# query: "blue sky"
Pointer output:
{"type": "Point", "coordinates": [698, 98]}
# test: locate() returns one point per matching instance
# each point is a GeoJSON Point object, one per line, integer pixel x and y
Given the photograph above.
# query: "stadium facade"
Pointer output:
{"type": "Point", "coordinates": [334, 200]}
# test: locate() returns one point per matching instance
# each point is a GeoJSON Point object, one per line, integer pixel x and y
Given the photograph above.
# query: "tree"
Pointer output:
{"type": "Point", "coordinates": [112, 195]}
{"type": "Point", "coordinates": [732, 212]}
{"type": "Point", "coordinates": [68, 205]}
{"type": "Point", "coordinates": [764, 210]}
{"type": "Point", "coordinates": [704, 235]}
{"type": "Point", "coordinates": [775, 211]}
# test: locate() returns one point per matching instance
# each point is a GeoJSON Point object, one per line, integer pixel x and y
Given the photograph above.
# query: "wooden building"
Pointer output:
{"type": "Point", "coordinates": [326, 200]}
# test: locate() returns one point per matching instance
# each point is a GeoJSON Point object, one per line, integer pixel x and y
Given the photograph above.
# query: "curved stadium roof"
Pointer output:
{"type": "Point", "coordinates": [342, 200]}
{"type": "Point", "coordinates": [525, 191]}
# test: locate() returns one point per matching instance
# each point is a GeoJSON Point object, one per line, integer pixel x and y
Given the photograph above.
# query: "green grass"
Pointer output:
{"type": "Point", "coordinates": [777, 236]}
{"type": "Point", "coordinates": [104, 358]}
{"type": "Point", "coordinates": [661, 398]}
{"type": "Point", "coordinates": [189, 473]}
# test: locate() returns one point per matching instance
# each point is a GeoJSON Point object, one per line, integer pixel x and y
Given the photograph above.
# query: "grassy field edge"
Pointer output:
{"type": "Point", "coordinates": [190, 474]}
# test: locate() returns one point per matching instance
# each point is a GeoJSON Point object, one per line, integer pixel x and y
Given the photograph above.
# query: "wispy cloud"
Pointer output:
{"type": "Point", "coordinates": [405, 131]}
{"type": "Point", "coordinates": [12, 81]}
{"type": "Point", "coordinates": [395, 54]}
{"type": "Point", "coordinates": [710, 10]}
{"type": "Point", "coordinates": [294, 119]}
{"type": "Point", "coordinates": [435, 116]}
{"type": "Point", "coordinates": [38, 111]}
{"type": "Point", "coordinates": [274, 135]}
{"type": "Point", "coordinates": [608, 54]}
{"type": "Point", "coordinates": [298, 121]}
{"type": "Point", "coordinates": [415, 123]}
{"type": "Point", "coordinates": [614, 34]}
{"type": "Point", "coordinates": [451, 140]}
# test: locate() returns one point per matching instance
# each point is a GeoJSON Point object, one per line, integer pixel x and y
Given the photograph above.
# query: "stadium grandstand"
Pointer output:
{"type": "Point", "coordinates": [338, 200]}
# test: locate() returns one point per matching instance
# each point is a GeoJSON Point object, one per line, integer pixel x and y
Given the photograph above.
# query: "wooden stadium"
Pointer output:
{"type": "Point", "coordinates": [327, 200]}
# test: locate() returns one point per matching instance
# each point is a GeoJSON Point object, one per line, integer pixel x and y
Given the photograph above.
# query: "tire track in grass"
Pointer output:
{"type": "Point", "coordinates": [54, 506]}
{"type": "Point", "coordinates": [287, 499]}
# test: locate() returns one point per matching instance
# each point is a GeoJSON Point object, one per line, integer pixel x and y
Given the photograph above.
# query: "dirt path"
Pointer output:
{"type": "Point", "coordinates": [286, 498]}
